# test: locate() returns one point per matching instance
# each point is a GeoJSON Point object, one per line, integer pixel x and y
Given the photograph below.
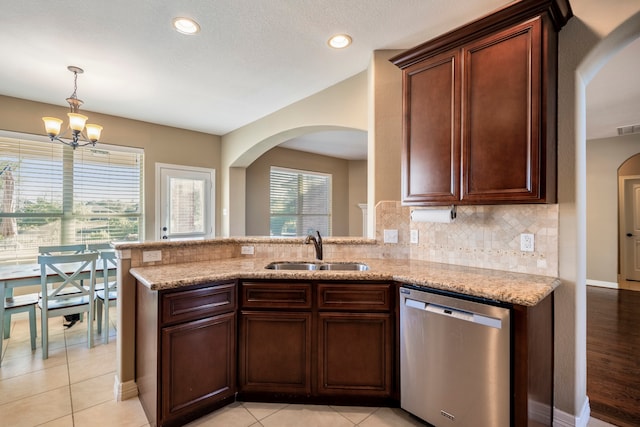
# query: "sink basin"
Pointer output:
{"type": "Point", "coordinates": [314, 266]}
{"type": "Point", "coordinates": [345, 266]}
{"type": "Point", "coordinates": [288, 265]}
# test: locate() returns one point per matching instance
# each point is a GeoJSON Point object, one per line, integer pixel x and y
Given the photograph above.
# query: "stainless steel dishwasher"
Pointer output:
{"type": "Point", "coordinates": [454, 360]}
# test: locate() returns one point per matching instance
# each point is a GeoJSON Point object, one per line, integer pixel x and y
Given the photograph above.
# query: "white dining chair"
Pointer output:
{"type": "Point", "coordinates": [108, 295]}
{"type": "Point", "coordinates": [73, 279]}
{"type": "Point", "coordinates": [20, 304]}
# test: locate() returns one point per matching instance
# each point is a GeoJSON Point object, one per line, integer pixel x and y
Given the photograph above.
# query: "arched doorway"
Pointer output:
{"type": "Point", "coordinates": [589, 67]}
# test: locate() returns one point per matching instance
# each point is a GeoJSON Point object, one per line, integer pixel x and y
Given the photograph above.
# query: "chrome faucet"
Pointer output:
{"type": "Point", "coordinates": [317, 243]}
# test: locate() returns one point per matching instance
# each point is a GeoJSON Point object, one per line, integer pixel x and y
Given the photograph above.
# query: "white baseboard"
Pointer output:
{"type": "Point", "coordinates": [124, 391]}
{"type": "Point", "coordinates": [563, 419]}
{"type": "Point", "coordinates": [602, 284]}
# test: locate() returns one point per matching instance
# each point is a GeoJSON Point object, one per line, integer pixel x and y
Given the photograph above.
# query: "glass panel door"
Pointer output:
{"type": "Point", "coordinates": [185, 205]}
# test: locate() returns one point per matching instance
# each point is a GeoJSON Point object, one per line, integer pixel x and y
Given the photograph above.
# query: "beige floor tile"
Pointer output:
{"type": "Point", "coordinates": [82, 352]}
{"type": "Point", "coordinates": [92, 392]}
{"type": "Point", "coordinates": [98, 362]}
{"type": "Point", "coordinates": [128, 413]}
{"type": "Point", "coordinates": [37, 409]}
{"type": "Point", "coordinates": [234, 415]}
{"type": "Point", "coordinates": [306, 415]}
{"type": "Point", "coordinates": [391, 417]}
{"type": "Point", "coordinates": [31, 362]}
{"type": "Point", "coordinates": [261, 410]}
{"type": "Point", "coordinates": [33, 383]}
{"type": "Point", "coordinates": [355, 414]}
{"type": "Point", "coordinates": [66, 421]}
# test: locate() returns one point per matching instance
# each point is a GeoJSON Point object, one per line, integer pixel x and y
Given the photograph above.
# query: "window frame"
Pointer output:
{"type": "Point", "coordinates": [71, 220]}
{"type": "Point", "coordinates": [300, 215]}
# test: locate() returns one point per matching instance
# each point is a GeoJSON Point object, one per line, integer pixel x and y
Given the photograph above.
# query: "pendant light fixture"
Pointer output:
{"type": "Point", "coordinates": [76, 120]}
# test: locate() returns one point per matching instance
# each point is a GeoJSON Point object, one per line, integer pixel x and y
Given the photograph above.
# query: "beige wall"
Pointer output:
{"type": "Point", "coordinates": [357, 195]}
{"type": "Point", "coordinates": [257, 185]}
{"type": "Point", "coordinates": [604, 157]}
{"type": "Point", "coordinates": [385, 134]}
{"type": "Point", "coordinates": [161, 144]}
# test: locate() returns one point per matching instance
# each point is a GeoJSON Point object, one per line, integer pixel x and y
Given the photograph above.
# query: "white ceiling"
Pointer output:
{"type": "Point", "coordinates": [251, 58]}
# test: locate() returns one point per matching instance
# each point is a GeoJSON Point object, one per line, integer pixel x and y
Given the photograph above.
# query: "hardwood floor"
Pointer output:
{"type": "Point", "coordinates": [613, 355]}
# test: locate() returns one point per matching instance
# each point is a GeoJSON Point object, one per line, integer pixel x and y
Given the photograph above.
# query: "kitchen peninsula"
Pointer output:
{"type": "Point", "coordinates": [203, 292]}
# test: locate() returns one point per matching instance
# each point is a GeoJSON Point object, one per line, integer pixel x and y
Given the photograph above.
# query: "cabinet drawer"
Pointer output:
{"type": "Point", "coordinates": [193, 304]}
{"type": "Point", "coordinates": [276, 295]}
{"type": "Point", "coordinates": [346, 296]}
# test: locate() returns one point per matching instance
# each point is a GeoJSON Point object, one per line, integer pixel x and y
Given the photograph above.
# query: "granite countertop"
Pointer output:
{"type": "Point", "coordinates": [515, 288]}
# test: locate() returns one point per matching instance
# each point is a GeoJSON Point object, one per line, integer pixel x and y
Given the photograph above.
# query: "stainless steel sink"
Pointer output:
{"type": "Point", "coordinates": [348, 266]}
{"type": "Point", "coordinates": [289, 265]}
{"type": "Point", "coordinates": [313, 266]}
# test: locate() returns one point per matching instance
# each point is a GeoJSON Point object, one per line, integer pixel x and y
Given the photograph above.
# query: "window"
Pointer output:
{"type": "Point", "coordinates": [52, 194]}
{"type": "Point", "coordinates": [300, 202]}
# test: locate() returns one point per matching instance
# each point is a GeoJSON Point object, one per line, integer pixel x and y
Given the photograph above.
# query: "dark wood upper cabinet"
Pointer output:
{"type": "Point", "coordinates": [480, 110]}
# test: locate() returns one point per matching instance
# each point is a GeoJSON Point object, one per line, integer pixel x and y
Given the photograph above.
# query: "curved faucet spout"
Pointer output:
{"type": "Point", "coordinates": [317, 243]}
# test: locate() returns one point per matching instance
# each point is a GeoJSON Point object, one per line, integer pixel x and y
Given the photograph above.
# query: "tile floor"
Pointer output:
{"type": "Point", "coordinates": [74, 388]}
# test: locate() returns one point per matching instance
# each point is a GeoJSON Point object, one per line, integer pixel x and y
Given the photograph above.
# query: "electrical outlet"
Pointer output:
{"type": "Point", "coordinates": [414, 236]}
{"type": "Point", "coordinates": [526, 242]}
{"type": "Point", "coordinates": [391, 236]}
{"type": "Point", "coordinates": [246, 250]}
{"type": "Point", "coordinates": [151, 256]}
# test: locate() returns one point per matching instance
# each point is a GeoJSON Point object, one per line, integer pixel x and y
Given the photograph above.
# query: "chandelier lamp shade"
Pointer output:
{"type": "Point", "coordinates": [77, 122]}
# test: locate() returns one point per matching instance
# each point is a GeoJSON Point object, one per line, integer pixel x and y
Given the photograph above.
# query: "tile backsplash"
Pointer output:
{"type": "Point", "coordinates": [480, 236]}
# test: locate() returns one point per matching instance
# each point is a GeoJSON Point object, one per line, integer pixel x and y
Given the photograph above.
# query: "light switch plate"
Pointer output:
{"type": "Point", "coordinates": [151, 256]}
{"type": "Point", "coordinates": [526, 242]}
{"type": "Point", "coordinates": [246, 250]}
{"type": "Point", "coordinates": [414, 236]}
{"type": "Point", "coordinates": [391, 236]}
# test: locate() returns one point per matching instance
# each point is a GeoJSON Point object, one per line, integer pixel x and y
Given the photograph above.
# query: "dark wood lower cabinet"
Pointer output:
{"type": "Point", "coordinates": [185, 351]}
{"type": "Point", "coordinates": [275, 352]}
{"type": "Point", "coordinates": [198, 364]}
{"type": "Point", "coordinates": [355, 354]}
{"type": "Point", "coordinates": [317, 342]}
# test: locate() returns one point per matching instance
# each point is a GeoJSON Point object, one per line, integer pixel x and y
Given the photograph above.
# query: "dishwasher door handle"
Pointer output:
{"type": "Point", "coordinates": [420, 305]}
{"type": "Point", "coordinates": [464, 315]}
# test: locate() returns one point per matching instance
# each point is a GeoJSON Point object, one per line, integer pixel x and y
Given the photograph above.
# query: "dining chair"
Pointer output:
{"type": "Point", "coordinates": [67, 294]}
{"type": "Point", "coordinates": [108, 295]}
{"type": "Point", "coordinates": [20, 304]}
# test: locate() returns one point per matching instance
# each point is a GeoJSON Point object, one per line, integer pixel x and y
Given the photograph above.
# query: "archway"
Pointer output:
{"type": "Point", "coordinates": [624, 34]}
{"type": "Point", "coordinates": [238, 168]}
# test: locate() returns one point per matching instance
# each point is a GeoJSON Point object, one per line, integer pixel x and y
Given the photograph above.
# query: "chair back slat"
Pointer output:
{"type": "Point", "coordinates": [62, 249]}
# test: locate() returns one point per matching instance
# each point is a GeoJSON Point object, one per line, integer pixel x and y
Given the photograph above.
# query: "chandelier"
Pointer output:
{"type": "Point", "coordinates": [76, 120]}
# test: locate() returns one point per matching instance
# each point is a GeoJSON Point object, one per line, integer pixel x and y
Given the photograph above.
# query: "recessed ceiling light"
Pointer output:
{"type": "Point", "coordinates": [186, 25]}
{"type": "Point", "coordinates": [340, 41]}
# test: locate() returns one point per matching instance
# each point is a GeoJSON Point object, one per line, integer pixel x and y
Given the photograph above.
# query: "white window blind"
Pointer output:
{"type": "Point", "coordinates": [300, 202]}
{"type": "Point", "coordinates": [52, 194]}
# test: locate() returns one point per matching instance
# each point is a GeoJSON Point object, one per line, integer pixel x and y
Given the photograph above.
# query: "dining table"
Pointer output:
{"type": "Point", "coordinates": [22, 275]}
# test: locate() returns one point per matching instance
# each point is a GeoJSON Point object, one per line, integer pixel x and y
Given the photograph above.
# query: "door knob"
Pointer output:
{"type": "Point", "coordinates": [629, 234]}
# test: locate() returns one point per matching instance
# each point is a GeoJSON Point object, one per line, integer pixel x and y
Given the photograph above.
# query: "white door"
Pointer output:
{"type": "Point", "coordinates": [632, 228]}
{"type": "Point", "coordinates": [184, 202]}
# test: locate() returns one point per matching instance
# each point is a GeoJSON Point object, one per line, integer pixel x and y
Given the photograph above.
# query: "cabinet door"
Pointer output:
{"type": "Point", "coordinates": [198, 365]}
{"type": "Point", "coordinates": [275, 352]}
{"type": "Point", "coordinates": [355, 354]}
{"type": "Point", "coordinates": [431, 148]}
{"type": "Point", "coordinates": [501, 138]}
